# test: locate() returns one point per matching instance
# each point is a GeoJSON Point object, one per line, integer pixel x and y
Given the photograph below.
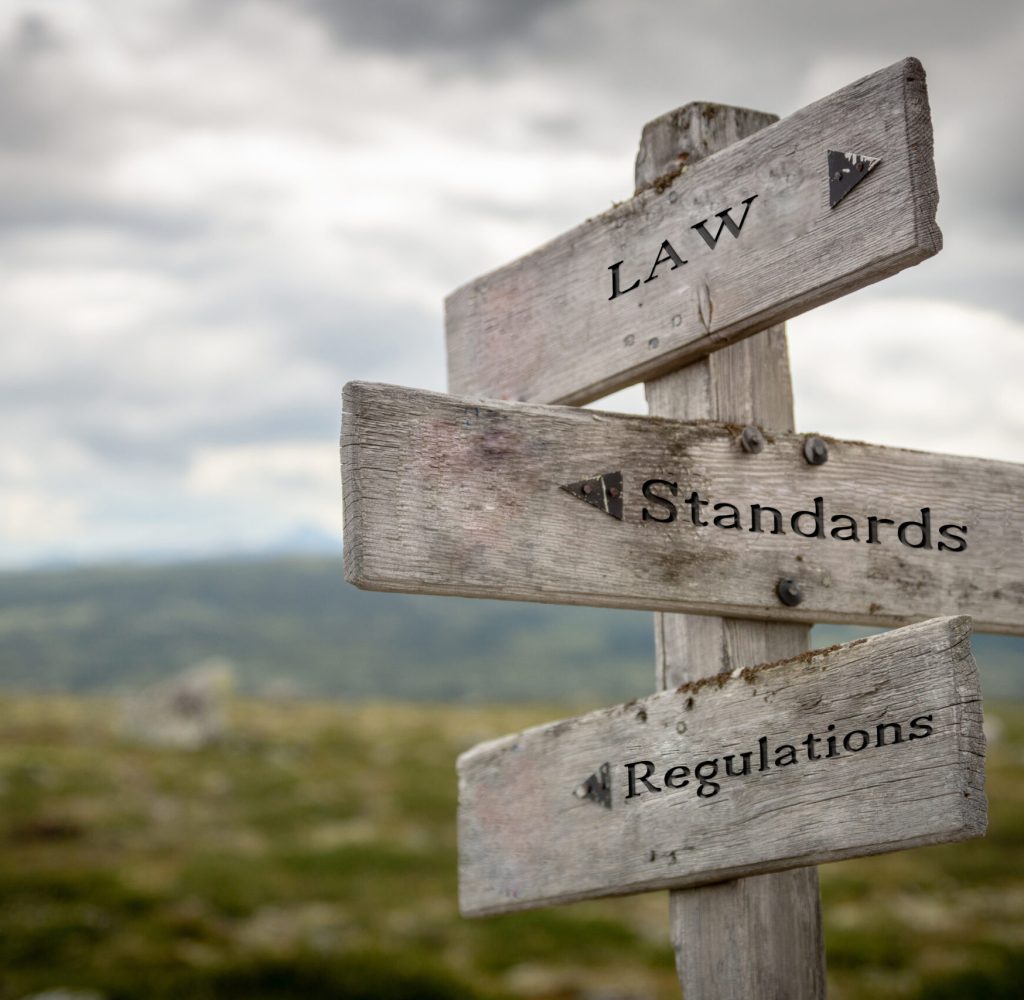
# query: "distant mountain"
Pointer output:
{"type": "Point", "coordinates": [303, 540]}
{"type": "Point", "coordinates": [293, 626]}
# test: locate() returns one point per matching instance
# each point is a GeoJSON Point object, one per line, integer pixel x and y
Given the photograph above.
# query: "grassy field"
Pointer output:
{"type": "Point", "coordinates": [312, 854]}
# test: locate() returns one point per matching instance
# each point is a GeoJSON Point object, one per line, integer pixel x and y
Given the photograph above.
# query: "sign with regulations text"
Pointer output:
{"type": "Point", "coordinates": [837, 196]}
{"type": "Point", "coordinates": [555, 504]}
{"type": "Point", "coordinates": [873, 746]}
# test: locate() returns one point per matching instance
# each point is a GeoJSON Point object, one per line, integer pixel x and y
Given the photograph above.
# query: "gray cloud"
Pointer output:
{"type": "Point", "coordinates": [213, 215]}
{"type": "Point", "coordinates": [33, 35]}
{"type": "Point", "coordinates": [475, 30]}
{"type": "Point", "coordinates": [34, 210]}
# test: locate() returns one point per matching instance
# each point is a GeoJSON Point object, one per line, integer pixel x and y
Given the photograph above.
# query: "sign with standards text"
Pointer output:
{"type": "Point", "coordinates": [561, 505]}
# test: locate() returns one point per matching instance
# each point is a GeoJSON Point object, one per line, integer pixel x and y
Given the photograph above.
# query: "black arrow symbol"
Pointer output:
{"type": "Point", "coordinates": [846, 171]}
{"type": "Point", "coordinates": [603, 492]}
{"type": "Point", "coordinates": [598, 787]}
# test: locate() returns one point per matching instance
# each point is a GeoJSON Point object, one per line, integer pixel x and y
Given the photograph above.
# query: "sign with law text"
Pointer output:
{"type": "Point", "coordinates": [837, 196]}
{"type": "Point", "coordinates": [858, 749]}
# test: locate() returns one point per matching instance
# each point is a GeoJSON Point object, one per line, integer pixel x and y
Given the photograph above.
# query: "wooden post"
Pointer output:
{"type": "Point", "coordinates": [760, 937]}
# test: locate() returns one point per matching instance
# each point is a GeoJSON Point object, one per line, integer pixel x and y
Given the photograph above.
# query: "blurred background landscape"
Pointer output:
{"type": "Point", "coordinates": [236, 779]}
{"type": "Point", "coordinates": [292, 627]}
{"type": "Point", "coordinates": [223, 772]}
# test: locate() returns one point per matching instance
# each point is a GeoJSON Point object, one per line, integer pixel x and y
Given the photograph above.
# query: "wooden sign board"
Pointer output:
{"type": "Point", "coordinates": [743, 239]}
{"type": "Point", "coordinates": [858, 749]}
{"type": "Point", "coordinates": [455, 496]}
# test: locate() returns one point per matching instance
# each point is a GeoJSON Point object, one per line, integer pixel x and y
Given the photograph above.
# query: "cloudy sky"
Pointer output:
{"type": "Point", "coordinates": [213, 214]}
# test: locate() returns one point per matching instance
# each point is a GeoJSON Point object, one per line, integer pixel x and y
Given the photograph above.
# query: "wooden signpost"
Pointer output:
{"type": "Point", "coordinates": [542, 503]}
{"type": "Point", "coordinates": [858, 749]}
{"type": "Point", "coordinates": [720, 787]}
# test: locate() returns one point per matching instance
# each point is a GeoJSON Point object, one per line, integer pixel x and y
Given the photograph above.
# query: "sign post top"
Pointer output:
{"type": "Point", "coordinates": [708, 127]}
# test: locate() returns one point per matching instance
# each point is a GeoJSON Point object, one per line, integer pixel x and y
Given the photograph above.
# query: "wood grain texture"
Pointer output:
{"type": "Point", "coordinates": [758, 937]}
{"type": "Point", "coordinates": [755, 937]}
{"type": "Point", "coordinates": [544, 328]}
{"type": "Point", "coordinates": [456, 496]}
{"type": "Point", "coordinates": [688, 134]}
{"type": "Point", "coordinates": [528, 837]}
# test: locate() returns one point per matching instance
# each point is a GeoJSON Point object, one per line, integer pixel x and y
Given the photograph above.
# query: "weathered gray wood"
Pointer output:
{"type": "Point", "coordinates": [545, 328]}
{"type": "Point", "coordinates": [755, 937]}
{"type": "Point", "coordinates": [744, 383]}
{"type": "Point", "coordinates": [688, 134]}
{"type": "Point", "coordinates": [454, 496]}
{"type": "Point", "coordinates": [887, 748]}
{"type": "Point", "coordinates": [687, 643]}
{"type": "Point", "coordinates": [759, 937]}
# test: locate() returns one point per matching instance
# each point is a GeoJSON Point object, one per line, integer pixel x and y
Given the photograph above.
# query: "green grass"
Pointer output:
{"type": "Point", "coordinates": [313, 854]}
